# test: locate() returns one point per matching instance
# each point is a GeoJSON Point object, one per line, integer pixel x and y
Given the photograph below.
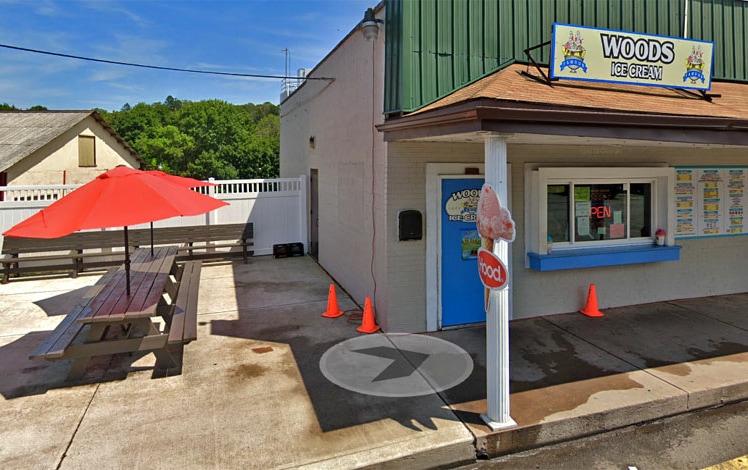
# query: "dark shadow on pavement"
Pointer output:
{"type": "Point", "coordinates": [335, 407]}
{"type": "Point", "coordinates": [61, 304]}
{"type": "Point", "coordinates": [22, 376]}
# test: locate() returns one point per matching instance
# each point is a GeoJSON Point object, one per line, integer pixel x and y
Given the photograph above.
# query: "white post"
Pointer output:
{"type": "Point", "coordinates": [211, 218]}
{"type": "Point", "coordinates": [497, 317]}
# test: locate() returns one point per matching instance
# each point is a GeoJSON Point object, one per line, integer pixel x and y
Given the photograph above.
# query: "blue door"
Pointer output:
{"type": "Point", "coordinates": [461, 288]}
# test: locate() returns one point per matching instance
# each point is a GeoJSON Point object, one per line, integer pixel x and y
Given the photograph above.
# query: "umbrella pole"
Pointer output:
{"type": "Point", "coordinates": [151, 239]}
{"type": "Point", "coordinates": [127, 261]}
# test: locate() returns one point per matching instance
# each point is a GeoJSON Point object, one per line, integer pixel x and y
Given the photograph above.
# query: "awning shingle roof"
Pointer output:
{"type": "Point", "coordinates": [509, 84]}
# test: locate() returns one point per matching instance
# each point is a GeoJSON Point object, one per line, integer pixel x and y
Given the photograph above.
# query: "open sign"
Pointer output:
{"type": "Point", "coordinates": [603, 211]}
{"type": "Point", "coordinates": [492, 271]}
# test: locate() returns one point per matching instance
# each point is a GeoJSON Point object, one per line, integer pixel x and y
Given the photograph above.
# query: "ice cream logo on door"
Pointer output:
{"type": "Point", "coordinates": [462, 205]}
{"type": "Point", "coordinates": [494, 223]}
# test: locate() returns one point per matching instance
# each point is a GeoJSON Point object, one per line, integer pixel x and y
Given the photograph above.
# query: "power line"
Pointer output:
{"type": "Point", "coordinates": [157, 67]}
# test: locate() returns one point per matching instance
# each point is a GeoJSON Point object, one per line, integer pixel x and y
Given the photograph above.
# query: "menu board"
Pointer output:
{"type": "Point", "coordinates": [710, 201]}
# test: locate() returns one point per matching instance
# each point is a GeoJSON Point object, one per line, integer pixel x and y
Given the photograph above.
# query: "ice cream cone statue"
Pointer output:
{"type": "Point", "coordinates": [494, 223]}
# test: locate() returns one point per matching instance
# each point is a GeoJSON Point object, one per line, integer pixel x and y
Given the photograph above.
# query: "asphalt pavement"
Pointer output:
{"type": "Point", "coordinates": [712, 438]}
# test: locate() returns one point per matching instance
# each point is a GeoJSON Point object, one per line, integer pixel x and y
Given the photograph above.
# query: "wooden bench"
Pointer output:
{"type": "Point", "coordinates": [82, 250]}
{"type": "Point", "coordinates": [201, 241]}
{"type": "Point", "coordinates": [60, 254]}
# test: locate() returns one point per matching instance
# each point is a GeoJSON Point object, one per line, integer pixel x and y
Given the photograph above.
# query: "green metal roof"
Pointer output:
{"type": "Point", "coordinates": [434, 47]}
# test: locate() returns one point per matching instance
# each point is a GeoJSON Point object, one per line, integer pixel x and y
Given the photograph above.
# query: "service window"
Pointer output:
{"type": "Point", "coordinates": [593, 208]}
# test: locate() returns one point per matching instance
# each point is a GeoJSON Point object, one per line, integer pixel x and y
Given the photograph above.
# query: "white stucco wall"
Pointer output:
{"type": "Point", "coordinates": [708, 266]}
{"type": "Point", "coordinates": [57, 161]}
{"type": "Point", "coordinates": [341, 115]}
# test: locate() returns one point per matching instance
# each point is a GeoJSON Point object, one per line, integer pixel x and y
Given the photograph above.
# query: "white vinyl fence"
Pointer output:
{"type": "Point", "coordinates": [276, 207]}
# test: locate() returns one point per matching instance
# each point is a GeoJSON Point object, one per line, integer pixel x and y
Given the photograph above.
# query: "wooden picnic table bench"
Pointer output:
{"type": "Point", "coordinates": [108, 321]}
{"type": "Point", "coordinates": [183, 310]}
{"type": "Point", "coordinates": [55, 344]}
{"type": "Point", "coordinates": [83, 250]}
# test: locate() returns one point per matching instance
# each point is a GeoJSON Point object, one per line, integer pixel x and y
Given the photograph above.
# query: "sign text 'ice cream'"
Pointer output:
{"type": "Point", "coordinates": [602, 55]}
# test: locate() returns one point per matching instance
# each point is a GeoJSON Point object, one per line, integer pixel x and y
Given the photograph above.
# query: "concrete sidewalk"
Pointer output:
{"type": "Point", "coordinates": [573, 376]}
{"type": "Point", "coordinates": [251, 394]}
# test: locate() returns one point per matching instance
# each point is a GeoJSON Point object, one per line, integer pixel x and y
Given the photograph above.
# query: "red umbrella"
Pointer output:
{"type": "Point", "coordinates": [118, 198]}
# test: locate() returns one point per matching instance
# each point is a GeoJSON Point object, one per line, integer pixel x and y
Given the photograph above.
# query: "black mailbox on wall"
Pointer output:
{"type": "Point", "coordinates": [410, 225]}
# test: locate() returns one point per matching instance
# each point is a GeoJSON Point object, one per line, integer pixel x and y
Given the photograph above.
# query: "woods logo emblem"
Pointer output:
{"type": "Point", "coordinates": [695, 66]}
{"type": "Point", "coordinates": [574, 53]}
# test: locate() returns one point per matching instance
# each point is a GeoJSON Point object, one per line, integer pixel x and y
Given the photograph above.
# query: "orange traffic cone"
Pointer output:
{"type": "Point", "coordinates": [332, 304]}
{"type": "Point", "coordinates": [591, 309]}
{"type": "Point", "coordinates": [368, 325]}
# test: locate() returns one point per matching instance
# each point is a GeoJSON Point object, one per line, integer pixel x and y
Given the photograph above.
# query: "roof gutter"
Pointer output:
{"type": "Point", "coordinates": [508, 117]}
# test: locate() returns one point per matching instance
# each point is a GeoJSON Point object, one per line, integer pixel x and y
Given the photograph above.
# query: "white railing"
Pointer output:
{"type": "Point", "coordinates": [276, 207]}
{"type": "Point", "coordinates": [35, 194]}
{"type": "Point", "coordinates": [243, 187]}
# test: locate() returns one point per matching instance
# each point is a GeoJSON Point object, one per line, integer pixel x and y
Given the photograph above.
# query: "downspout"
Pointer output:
{"type": "Point", "coordinates": [373, 171]}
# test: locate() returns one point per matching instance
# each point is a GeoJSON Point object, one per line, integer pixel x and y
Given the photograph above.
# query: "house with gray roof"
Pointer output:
{"type": "Point", "coordinates": [59, 147]}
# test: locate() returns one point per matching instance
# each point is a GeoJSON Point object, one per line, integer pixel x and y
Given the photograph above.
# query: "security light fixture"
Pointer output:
{"type": "Point", "coordinates": [370, 26]}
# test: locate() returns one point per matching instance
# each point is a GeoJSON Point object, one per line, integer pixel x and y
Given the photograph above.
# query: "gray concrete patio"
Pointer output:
{"type": "Point", "coordinates": [251, 394]}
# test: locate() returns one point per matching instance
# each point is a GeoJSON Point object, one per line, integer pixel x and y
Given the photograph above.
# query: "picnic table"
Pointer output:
{"type": "Point", "coordinates": [108, 321]}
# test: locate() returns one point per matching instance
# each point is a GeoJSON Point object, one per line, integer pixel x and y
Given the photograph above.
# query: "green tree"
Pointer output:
{"type": "Point", "coordinates": [172, 103]}
{"type": "Point", "coordinates": [269, 127]}
{"type": "Point", "coordinates": [203, 138]}
{"type": "Point", "coordinates": [165, 146]}
{"type": "Point", "coordinates": [207, 165]}
{"type": "Point", "coordinates": [137, 120]}
{"type": "Point", "coordinates": [10, 107]}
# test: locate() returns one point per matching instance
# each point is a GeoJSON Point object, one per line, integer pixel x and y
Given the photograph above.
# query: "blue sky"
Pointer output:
{"type": "Point", "coordinates": [237, 36]}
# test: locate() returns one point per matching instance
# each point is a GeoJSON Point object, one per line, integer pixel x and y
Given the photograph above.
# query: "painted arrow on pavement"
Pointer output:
{"type": "Point", "coordinates": [404, 362]}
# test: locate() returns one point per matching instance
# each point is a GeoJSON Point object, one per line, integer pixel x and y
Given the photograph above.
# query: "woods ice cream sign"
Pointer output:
{"type": "Point", "coordinates": [601, 55]}
{"type": "Point", "coordinates": [494, 223]}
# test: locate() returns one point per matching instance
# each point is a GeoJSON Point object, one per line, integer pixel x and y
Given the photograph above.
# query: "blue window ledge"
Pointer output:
{"type": "Point", "coordinates": [597, 257]}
